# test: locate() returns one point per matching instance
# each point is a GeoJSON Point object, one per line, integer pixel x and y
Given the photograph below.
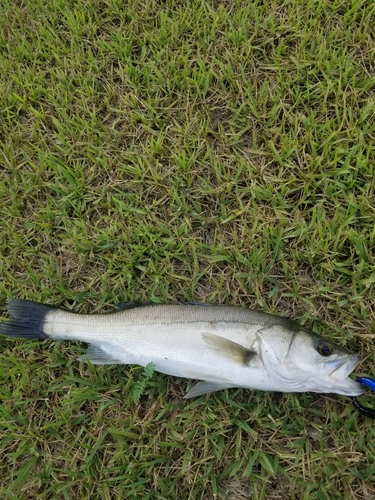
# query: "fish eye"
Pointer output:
{"type": "Point", "coordinates": [324, 348]}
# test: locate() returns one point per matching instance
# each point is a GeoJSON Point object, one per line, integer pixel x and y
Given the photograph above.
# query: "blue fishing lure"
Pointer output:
{"type": "Point", "coordinates": [365, 410]}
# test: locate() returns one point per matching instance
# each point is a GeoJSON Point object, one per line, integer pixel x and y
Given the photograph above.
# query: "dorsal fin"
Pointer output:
{"type": "Point", "coordinates": [123, 306]}
{"type": "Point", "coordinates": [204, 304]}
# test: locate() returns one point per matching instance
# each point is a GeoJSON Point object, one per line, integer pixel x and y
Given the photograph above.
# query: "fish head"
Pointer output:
{"type": "Point", "coordinates": [300, 360]}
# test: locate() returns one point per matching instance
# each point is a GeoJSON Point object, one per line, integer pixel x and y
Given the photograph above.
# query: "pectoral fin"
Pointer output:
{"type": "Point", "coordinates": [229, 349]}
{"type": "Point", "coordinates": [206, 387]}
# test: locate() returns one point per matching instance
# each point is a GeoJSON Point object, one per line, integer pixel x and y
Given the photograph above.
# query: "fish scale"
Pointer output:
{"type": "Point", "coordinates": [224, 346]}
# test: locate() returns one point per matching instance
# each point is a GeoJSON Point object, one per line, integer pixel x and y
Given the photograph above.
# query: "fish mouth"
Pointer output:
{"type": "Point", "coordinates": [339, 371]}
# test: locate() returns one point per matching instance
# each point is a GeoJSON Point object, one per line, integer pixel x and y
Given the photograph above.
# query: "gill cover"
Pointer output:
{"type": "Point", "coordinates": [275, 344]}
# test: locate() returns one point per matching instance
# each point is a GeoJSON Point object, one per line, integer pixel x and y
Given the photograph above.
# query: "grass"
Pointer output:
{"type": "Point", "coordinates": [213, 151]}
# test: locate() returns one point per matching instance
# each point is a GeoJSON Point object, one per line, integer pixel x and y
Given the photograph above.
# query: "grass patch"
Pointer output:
{"type": "Point", "coordinates": [211, 151]}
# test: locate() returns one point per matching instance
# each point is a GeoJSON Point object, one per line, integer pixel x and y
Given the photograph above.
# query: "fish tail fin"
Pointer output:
{"type": "Point", "coordinates": [28, 319]}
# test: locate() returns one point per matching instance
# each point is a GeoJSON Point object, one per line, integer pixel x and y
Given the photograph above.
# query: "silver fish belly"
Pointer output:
{"type": "Point", "coordinates": [224, 346]}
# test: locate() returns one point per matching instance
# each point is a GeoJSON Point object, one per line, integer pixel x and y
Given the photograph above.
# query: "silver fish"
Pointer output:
{"type": "Point", "coordinates": [224, 346]}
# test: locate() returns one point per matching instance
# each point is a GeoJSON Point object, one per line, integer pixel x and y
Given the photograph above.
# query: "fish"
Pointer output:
{"type": "Point", "coordinates": [222, 346]}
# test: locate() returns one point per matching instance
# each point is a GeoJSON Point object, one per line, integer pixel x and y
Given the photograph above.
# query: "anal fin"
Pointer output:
{"type": "Point", "coordinates": [97, 356]}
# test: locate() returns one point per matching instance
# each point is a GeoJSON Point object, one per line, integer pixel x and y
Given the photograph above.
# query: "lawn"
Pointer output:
{"type": "Point", "coordinates": [216, 151]}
